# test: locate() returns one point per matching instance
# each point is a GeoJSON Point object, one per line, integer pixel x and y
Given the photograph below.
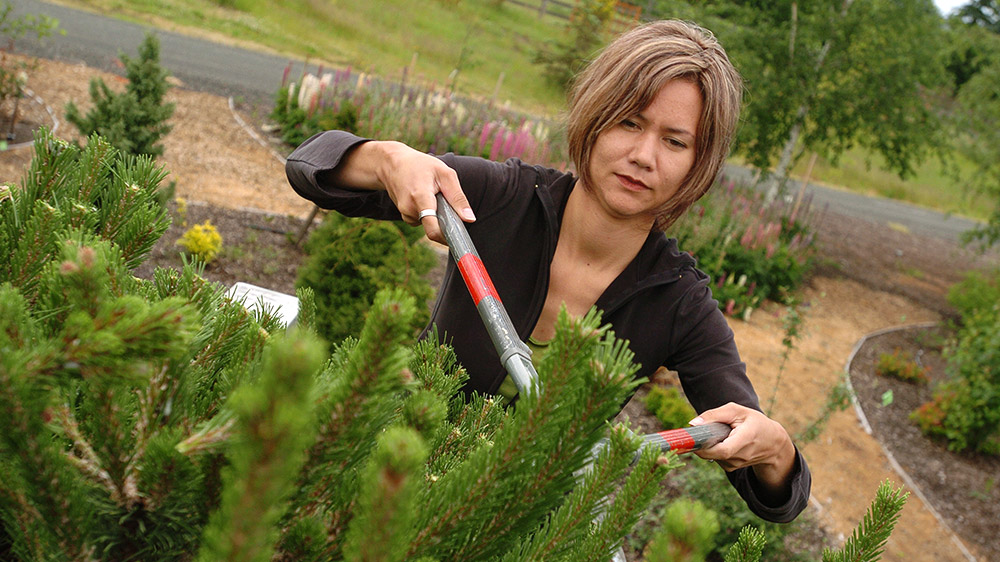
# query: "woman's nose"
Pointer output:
{"type": "Point", "coordinates": [643, 151]}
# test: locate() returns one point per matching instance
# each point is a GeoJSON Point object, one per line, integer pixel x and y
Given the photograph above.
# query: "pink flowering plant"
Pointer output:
{"type": "Point", "coordinates": [427, 118]}
{"type": "Point", "coordinates": [753, 250]}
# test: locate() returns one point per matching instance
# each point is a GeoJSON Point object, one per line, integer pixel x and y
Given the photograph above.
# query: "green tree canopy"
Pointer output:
{"type": "Point", "coordinates": [830, 75]}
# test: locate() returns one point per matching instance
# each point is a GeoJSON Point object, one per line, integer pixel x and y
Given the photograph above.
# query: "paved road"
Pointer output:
{"type": "Point", "coordinates": [200, 64]}
{"type": "Point", "coordinates": [226, 70]}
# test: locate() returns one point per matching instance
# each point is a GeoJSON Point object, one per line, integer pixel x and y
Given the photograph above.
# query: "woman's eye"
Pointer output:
{"type": "Point", "coordinates": [629, 124]}
{"type": "Point", "coordinates": [675, 143]}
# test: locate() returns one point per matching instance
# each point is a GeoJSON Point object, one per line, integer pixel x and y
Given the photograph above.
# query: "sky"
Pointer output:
{"type": "Point", "coordinates": [946, 6]}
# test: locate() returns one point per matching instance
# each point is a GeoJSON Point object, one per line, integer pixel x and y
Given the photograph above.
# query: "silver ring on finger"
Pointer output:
{"type": "Point", "coordinates": [426, 213]}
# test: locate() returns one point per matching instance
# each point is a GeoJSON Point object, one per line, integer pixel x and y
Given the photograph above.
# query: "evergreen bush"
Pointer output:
{"type": "Point", "coordinates": [135, 120]}
{"type": "Point", "coordinates": [667, 404]}
{"type": "Point", "coordinates": [687, 534]}
{"type": "Point", "coordinates": [350, 260]}
{"type": "Point", "coordinates": [158, 420]}
{"type": "Point", "coordinates": [976, 291]}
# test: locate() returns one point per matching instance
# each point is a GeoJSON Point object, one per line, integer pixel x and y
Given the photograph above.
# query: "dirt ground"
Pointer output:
{"type": "Point", "coordinates": [870, 277]}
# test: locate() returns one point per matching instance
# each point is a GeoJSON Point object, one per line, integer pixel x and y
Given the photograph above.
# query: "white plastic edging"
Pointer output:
{"type": "Point", "coordinates": [892, 460]}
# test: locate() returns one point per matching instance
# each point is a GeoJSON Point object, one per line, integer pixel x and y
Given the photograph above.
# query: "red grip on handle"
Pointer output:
{"type": "Point", "coordinates": [476, 279]}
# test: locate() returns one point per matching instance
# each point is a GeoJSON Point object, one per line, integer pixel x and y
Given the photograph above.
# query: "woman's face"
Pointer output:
{"type": "Point", "coordinates": [637, 165]}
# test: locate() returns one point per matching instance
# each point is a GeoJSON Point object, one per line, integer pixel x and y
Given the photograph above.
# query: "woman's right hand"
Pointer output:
{"type": "Point", "coordinates": [411, 178]}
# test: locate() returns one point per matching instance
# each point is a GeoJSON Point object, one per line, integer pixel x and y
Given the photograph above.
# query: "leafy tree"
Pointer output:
{"type": "Point", "coordinates": [984, 13]}
{"type": "Point", "coordinates": [586, 32]}
{"type": "Point", "coordinates": [135, 120]}
{"type": "Point", "coordinates": [830, 75]}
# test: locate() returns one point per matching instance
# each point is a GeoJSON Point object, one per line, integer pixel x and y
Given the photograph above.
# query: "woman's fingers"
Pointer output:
{"type": "Point", "coordinates": [755, 438]}
{"type": "Point", "coordinates": [415, 188]}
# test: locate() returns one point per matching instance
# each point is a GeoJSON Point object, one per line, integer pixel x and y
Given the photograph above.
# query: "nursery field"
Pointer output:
{"type": "Point", "coordinates": [870, 277]}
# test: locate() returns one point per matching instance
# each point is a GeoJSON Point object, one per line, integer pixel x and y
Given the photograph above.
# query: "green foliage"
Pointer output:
{"type": "Point", "coordinates": [900, 365]}
{"type": "Point", "coordinates": [975, 292]}
{"type": "Point", "coordinates": [351, 259]}
{"type": "Point", "coordinates": [67, 189]}
{"type": "Point", "coordinates": [157, 420]}
{"type": "Point", "coordinates": [833, 75]}
{"type": "Point", "coordinates": [868, 540]}
{"type": "Point", "coordinates": [754, 250]}
{"type": "Point", "coordinates": [667, 404]}
{"type": "Point", "coordinates": [965, 409]}
{"type": "Point", "coordinates": [838, 399]}
{"type": "Point", "coordinates": [749, 546]}
{"type": "Point", "coordinates": [976, 120]}
{"type": "Point", "coordinates": [983, 13]}
{"type": "Point", "coordinates": [687, 534]}
{"type": "Point", "coordinates": [706, 483]}
{"type": "Point", "coordinates": [202, 241]}
{"type": "Point", "coordinates": [586, 31]}
{"type": "Point", "coordinates": [135, 120]}
{"type": "Point", "coordinates": [273, 422]}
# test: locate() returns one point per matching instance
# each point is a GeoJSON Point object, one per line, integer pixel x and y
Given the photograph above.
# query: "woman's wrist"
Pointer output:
{"type": "Point", "coordinates": [775, 474]}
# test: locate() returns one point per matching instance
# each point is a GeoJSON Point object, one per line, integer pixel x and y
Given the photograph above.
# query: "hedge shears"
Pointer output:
{"type": "Point", "coordinates": [515, 355]}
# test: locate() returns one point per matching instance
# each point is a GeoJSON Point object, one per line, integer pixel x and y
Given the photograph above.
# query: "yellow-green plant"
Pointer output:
{"type": "Point", "coordinates": [202, 241]}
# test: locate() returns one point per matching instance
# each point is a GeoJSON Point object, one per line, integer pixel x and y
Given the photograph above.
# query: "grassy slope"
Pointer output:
{"type": "Point", "coordinates": [383, 36]}
{"type": "Point", "coordinates": [379, 36]}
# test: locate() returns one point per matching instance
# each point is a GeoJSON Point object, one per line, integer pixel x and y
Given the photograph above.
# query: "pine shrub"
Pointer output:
{"type": "Point", "coordinates": [687, 534]}
{"type": "Point", "coordinates": [669, 406]}
{"type": "Point", "coordinates": [135, 120]}
{"type": "Point", "coordinates": [350, 260]}
{"type": "Point", "coordinates": [155, 419]}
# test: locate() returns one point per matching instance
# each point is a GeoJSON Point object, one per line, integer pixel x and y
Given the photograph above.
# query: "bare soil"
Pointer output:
{"type": "Point", "coordinates": [870, 277]}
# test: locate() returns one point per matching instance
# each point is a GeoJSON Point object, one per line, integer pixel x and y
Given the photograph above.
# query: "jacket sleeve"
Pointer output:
{"type": "Point", "coordinates": [309, 168]}
{"type": "Point", "coordinates": [712, 375]}
{"type": "Point", "coordinates": [489, 186]}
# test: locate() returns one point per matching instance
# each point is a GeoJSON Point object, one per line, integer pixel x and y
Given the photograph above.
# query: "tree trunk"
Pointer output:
{"type": "Point", "coordinates": [777, 180]}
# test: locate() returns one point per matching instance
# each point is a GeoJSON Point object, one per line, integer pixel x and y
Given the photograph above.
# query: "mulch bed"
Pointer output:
{"type": "Point", "coordinates": [257, 248]}
{"type": "Point", "coordinates": [962, 487]}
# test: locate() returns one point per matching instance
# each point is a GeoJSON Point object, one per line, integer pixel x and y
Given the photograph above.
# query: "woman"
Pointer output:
{"type": "Point", "coordinates": [650, 124]}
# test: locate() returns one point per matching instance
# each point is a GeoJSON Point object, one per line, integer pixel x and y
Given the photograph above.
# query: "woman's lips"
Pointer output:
{"type": "Point", "coordinates": [631, 183]}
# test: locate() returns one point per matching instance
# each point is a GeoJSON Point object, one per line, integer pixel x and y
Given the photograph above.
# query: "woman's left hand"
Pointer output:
{"type": "Point", "coordinates": [756, 441]}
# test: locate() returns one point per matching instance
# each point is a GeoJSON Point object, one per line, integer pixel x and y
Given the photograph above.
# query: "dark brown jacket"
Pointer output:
{"type": "Point", "coordinates": [661, 303]}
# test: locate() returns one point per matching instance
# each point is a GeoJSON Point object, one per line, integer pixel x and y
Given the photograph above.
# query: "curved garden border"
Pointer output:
{"type": "Point", "coordinates": [888, 454]}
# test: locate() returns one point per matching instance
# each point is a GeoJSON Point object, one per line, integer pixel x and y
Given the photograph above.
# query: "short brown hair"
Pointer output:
{"type": "Point", "coordinates": [625, 79]}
